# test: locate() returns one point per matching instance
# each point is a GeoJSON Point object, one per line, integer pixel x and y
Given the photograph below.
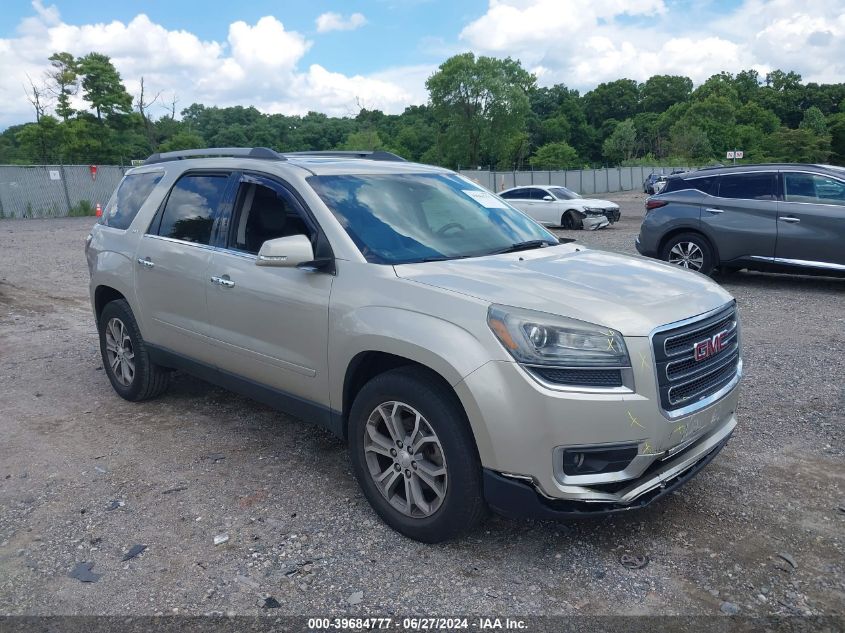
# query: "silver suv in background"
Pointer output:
{"type": "Point", "coordinates": [775, 217]}
{"type": "Point", "coordinates": [469, 358]}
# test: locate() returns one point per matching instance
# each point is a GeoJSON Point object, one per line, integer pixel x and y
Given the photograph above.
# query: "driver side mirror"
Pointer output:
{"type": "Point", "coordinates": [285, 252]}
{"type": "Point", "coordinates": [548, 198]}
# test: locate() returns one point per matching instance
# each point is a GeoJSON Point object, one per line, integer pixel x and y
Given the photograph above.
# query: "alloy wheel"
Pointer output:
{"type": "Point", "coordinates": [405, 459]}
{"type": "Point", "coordinates": [119, 351]}
{"type": "Point", "coordinates": [687, 255]}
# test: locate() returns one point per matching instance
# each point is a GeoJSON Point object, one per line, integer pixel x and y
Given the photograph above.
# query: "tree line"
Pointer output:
{"type": "Point", "coordinates": [481, 112]}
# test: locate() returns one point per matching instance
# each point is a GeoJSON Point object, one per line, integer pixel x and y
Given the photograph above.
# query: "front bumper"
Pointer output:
{"type": "Point", "coordinates": [523, 428]}
{"type": "Point", "coordinates": [593, 222]}
{"type": "Point", "coordinates": [519, 498]}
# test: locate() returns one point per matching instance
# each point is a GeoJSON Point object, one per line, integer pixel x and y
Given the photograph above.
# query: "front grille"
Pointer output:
{"type": "Point", "coordinates": [682, 380]}
{"type": "Point", "coordinates": [580, 377]}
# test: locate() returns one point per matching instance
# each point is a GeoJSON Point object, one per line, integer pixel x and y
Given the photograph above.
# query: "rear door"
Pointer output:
{"type": "Point", "coordinates": [741, 219]}
{"type": "Point", "coordinates": [811, 221]}
{"type": "Point", "coordinates": [519, 198]}
{"type": "Point", "coordinates": [171, 267]}
{"type": "Point", "coordinates": [269, 324]}
{"type": "Point", "coordinates": [542, 210]}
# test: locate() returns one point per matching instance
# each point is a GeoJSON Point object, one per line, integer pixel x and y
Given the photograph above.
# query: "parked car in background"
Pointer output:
{"type": "Point", "coordinates": [467, 356]}
{"type": "Point", "coordinates": [658, 185]}
{"type": "Point", "coordinates": [559, 206]}
{"type": "Point", "coordinates": [777, 217]}
{"type": "Point", "coordinates": [648, 183]}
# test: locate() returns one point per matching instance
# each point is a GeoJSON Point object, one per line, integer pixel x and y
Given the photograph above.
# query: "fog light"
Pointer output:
{"type": "Point", "coordinates": [594, 461]}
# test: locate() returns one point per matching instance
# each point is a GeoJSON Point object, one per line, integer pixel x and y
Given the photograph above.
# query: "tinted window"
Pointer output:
{"type": "Point", "coordinates": [704, 185]}
{"type": "Point", "coordinates": [131, 194]}
{"type": "Point", "coordinates": [562, 193]}
{"type": "Point", "coordinates": [402, 218]}
{"type": "Point", "coordinates": [190, 209]}
{"type": "Point", "coordinates": [521, 194]}
{"type": "Point", "coordinates": [539, 194]}
{"type": "Point", "coordinates": [747, 186]}
{"type": "Point", "coordinates": [264, 212]}
{"type": "Point", "coordinates": [813, 189]}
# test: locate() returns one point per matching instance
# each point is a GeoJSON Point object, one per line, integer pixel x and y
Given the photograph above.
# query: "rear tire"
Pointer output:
{"type": "Point", "coordinates": [125, 357]}
{"type": "Point", "coordinates": [393, 466]}
{"type": "Point", "coordinates": [691, 251]}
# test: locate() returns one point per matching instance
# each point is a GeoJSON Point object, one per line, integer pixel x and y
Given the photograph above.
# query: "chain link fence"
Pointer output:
{"type": "Point", "coordinates": [583, 181]}
{"type": "Point", "coordinates": [55, 191]}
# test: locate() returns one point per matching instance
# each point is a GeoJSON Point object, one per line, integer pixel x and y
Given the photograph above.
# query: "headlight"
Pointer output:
{"type": "Point", "coordinates": [593, 211]}
{"type": "Point", "coordinates": [538, 338]}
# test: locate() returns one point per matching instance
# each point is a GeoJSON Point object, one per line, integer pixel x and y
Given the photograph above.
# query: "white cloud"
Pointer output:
{"type": "Point", "coordinates": [584, 42]}
{"type": "Point", "coordinates": [331, 21]}
{"type": "Point", "coordinates": [258, 64]}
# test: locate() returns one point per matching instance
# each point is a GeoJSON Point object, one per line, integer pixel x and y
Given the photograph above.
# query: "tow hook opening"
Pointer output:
{"type": "Point", "coordinates": [600, 460]}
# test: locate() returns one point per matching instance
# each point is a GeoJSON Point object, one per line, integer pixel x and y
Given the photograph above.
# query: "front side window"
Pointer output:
{"type": "Point", "coordinates": [747, 186]}
{"type": "Point", "coordinates": [264, 212]}
{"type": "Point", "coordinates": [404, 218]}
{"type": "Point", "coordinates": [813, 189]}
{"type": "Point", "coordinates": [131, 194]}
{"type": "Point", "coordinates": [538, 194]}
{"type": "Point", "coordinates": [191, 207]}
{"type": "Point", "coordinates": [562, 193]}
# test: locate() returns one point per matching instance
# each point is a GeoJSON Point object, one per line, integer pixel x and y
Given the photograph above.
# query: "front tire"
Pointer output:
{"type": "Point", "coordinates": [125, 357]}
{"type": "Point", "coordinates": [414, 456]}
{"type": "Point", "coordinates": [691, 251]}
{"type": "Point", "coordinates": [570, 221]}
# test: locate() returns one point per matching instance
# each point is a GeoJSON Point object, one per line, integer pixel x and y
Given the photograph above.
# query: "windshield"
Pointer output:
{"type": "Point", "coordinates": [562, 193]}
{"type": "Point", "coordinates": [404, 218]}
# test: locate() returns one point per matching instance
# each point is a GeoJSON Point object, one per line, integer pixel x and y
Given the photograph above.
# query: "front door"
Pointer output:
{"type": "Point", "coordinates": [171, 266]}
{"type": "Point", "coordinates": [811, 221]}
{"type": "Point", "coordinates": [741, 219]}
{"type": "Point", "coordinates": [271, 324]}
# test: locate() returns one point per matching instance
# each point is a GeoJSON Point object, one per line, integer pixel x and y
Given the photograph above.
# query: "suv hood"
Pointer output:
{"type": "Point", "coordinates": [630, 294]}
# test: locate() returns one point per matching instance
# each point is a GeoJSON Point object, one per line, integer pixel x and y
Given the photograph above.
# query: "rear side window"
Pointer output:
{"type": "Point", "coordinates": [704, 185]}
{"type": "Point", "coordinates": [747, 186]}
{"type": "Point", "coordinates": [539, 194]}
{"type": "Point", "coordinates": [516, 194]}
{"type": "Point", "coordinates": [130, 196]}
{"type": "Point", "coordinates": [191, 207]}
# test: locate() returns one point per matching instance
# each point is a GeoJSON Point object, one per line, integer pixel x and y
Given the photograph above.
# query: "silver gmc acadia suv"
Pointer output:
{"type": "Point", "coordinates": [467, 356]}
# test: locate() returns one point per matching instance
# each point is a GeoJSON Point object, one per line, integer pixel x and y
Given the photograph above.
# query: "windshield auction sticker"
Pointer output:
{"type": "Point", "coordinates": [485, 199]}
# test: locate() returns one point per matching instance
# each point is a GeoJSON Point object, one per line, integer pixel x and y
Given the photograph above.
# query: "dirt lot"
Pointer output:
{"type": "Point", "coordinates": [202, 462]}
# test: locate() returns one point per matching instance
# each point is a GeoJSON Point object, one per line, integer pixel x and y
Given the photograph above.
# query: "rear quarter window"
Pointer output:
{"type": "Point", "coordinates": [128, 199]}
{"type": "Point", "coordinates": [704, 185]}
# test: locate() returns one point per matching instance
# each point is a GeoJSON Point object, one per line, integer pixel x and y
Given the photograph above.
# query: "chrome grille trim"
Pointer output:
{"type": "Point", "coordinates": [684, 384]}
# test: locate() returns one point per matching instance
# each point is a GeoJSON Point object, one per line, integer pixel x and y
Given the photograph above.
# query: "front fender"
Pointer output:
{"type": "Point", "coordinates": [442, 346]}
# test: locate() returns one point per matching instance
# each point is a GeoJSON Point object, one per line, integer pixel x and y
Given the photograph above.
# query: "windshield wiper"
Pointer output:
{"type": "Point", "coordinates": [441, 258]}
{"type": "Point", "coordinates": [523, 246]}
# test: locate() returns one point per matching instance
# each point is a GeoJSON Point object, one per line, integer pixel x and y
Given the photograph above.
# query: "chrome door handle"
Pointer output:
{"type": "Point", "coordinates": [145, 262]}
{"type": "Point", "coordinates": [790, 219]}
{"type": "Point", "coordinates": [221, 281]}
{"type": "Point", "coordinates": [712, 210]}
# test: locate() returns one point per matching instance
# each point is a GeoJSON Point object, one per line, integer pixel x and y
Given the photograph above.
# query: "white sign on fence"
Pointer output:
{"type": "Point", "coordinates": [730, 154]}
{"type": "Point", "coordinates": [54, 174]}
{"type": "Point", "coordinates": [739, 153]}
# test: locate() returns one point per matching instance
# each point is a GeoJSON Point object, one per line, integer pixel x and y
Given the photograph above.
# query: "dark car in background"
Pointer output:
{"type": "Point", "coordinates": [648, 183]}
{"type": "Point", "coordinates": [775, 217]}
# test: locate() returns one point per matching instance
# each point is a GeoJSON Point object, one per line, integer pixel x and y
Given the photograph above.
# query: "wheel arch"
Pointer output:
{"type": "Point", "coordinates": [103, 295]}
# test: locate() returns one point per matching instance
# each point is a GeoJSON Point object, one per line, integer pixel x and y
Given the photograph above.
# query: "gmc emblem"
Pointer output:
{"type": "Point", "coordinates": [710, 346]}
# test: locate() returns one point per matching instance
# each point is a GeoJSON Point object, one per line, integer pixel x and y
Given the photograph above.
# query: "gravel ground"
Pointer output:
{"type": "Point", "coordinates": [760, 530]}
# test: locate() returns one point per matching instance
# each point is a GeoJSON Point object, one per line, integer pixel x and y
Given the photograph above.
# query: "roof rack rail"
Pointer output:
{"type": "Point", "coordinates": [367, 154]}
{"type": "Point", "coordinates": [241, 152]}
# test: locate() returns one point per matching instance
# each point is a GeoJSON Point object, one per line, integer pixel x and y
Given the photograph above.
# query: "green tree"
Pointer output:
{"type": "Point", "coordinates": [661, 91]}
{"type": "Point", "coordinates": [183, 139]}
{"type": "Point", "coordinates": [363, 140]}
{"type": "Point", "coordinates": [102, 86]}
{"type": "Point", "coordinates": [622, 143]}
{"type": "Point", "coordinates": [480, 102]}
{"type": "Point", "coordinates": [63, 82]}
{"type": "Point", "coordinates": [814, 121]}
{"type": "Point", "coordinates": [755, 115]}
{"type": "Point", "coordinates": [836, 125]}
{"type": "Point", "coordinates": [613, 100]}
{"type": "Point", "coordinates": [690, 142]}
{"type": "Point", "coordinates": [798, 146]}
{"type": "Point", "coordinates": [555, 156]}
{"type": "Point", "coordinates": [40, 142]}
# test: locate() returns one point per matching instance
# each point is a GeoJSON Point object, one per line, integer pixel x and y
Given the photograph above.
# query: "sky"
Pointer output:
{"type": "Point", "coordinates": [337, 56]}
